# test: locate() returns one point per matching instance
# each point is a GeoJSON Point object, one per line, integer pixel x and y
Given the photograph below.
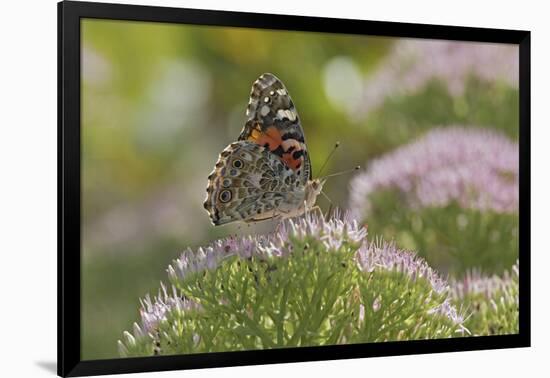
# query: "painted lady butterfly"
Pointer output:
{"type": "Point", "coordinates": [267, 172]}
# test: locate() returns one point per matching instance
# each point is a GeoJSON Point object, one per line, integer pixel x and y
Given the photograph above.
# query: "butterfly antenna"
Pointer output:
{"type": "Point", "coordinates": [331, 205]}
{"type": "Point", "coordinates": [336, 145]}
{"type": "Point", "coordinates": [341, 173]}
{"type": "Point", "coordinates": [327, 197]}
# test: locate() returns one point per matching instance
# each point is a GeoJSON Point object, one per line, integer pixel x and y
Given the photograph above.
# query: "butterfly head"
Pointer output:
{"type": "Point", "coordinates": [313, 189]}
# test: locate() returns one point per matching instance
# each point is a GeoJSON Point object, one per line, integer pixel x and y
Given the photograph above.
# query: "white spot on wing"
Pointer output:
{"type": "Point", "coordinates": [286, 113]}
{"type": "Point", "coordinates": [246, 156]}
{"type": "Point", "coordinates": [264, 111]}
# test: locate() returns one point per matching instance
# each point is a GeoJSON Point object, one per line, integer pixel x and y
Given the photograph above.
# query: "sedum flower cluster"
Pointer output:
{"type": "Point", "coordinates": [311, 282]}
{"type": "Point", "coordinates": [477, 168]}
{"type": "Point", "coordinates": [413, 63]}
{"type": "Point", "coordinates": [452, 195]}
{"type": "Point", "coordinates": [491, 301]}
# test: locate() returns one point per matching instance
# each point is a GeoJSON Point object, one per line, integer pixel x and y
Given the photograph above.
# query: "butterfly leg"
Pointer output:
{"type": "Point", "coordinates": [327, 216]}
{"type": "Point", "coordinates": [318, 209]}
{"type": "Point", "coordinates": [278, 217]}
{"type": "Point", "coordinates": [277, 228]}
{"type": "Point", "coordinates": [274, 218]}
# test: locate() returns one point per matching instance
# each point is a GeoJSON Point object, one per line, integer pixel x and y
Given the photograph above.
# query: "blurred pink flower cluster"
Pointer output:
{"type": "Point", "coordinates": [412, 63]}
{"type": "Point", "coordinates": [475, 282]}
{"type": "Point", "coordinates": [476, 168]}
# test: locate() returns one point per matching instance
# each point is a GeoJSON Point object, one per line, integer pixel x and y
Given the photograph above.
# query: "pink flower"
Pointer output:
{"type": "Point", "coordinates": [477, 168]}
{"type": "Point", "coordinates": [412, 63]}
{"type": "Point", "coordinates": [474, 282]}
{"type": "Point", "coordinates": [380, 255]}
{"type": "Point", "coordinates": [154, 311]}
{"type": "Point", "coordinates": [332, 233]}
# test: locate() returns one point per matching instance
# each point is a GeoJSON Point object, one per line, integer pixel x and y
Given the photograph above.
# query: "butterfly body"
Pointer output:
{"type": "Point", "coordinates": [267, 172]}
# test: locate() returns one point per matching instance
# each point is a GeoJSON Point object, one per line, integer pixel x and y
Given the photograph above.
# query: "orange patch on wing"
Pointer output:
{"type": "Point", "coordinates": [292, 163]}
{"type": "Point", "coordinates": [271, 137]}
{"type": "Point", "coordinates": [292, 145]}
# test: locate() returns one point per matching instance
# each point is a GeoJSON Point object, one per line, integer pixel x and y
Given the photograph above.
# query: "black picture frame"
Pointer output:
{"type": "Point", "coordinates": [69, 186]}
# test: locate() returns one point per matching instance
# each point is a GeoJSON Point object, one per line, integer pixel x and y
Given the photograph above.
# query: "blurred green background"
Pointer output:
{"type": "Point", "coordinates": [160, 101]}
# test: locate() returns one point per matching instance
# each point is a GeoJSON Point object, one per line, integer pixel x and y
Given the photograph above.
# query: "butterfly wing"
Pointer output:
{"type": "Point", "coordinates": [273, 123]}
{"type": "Point", "coordinates": [250, 183]}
